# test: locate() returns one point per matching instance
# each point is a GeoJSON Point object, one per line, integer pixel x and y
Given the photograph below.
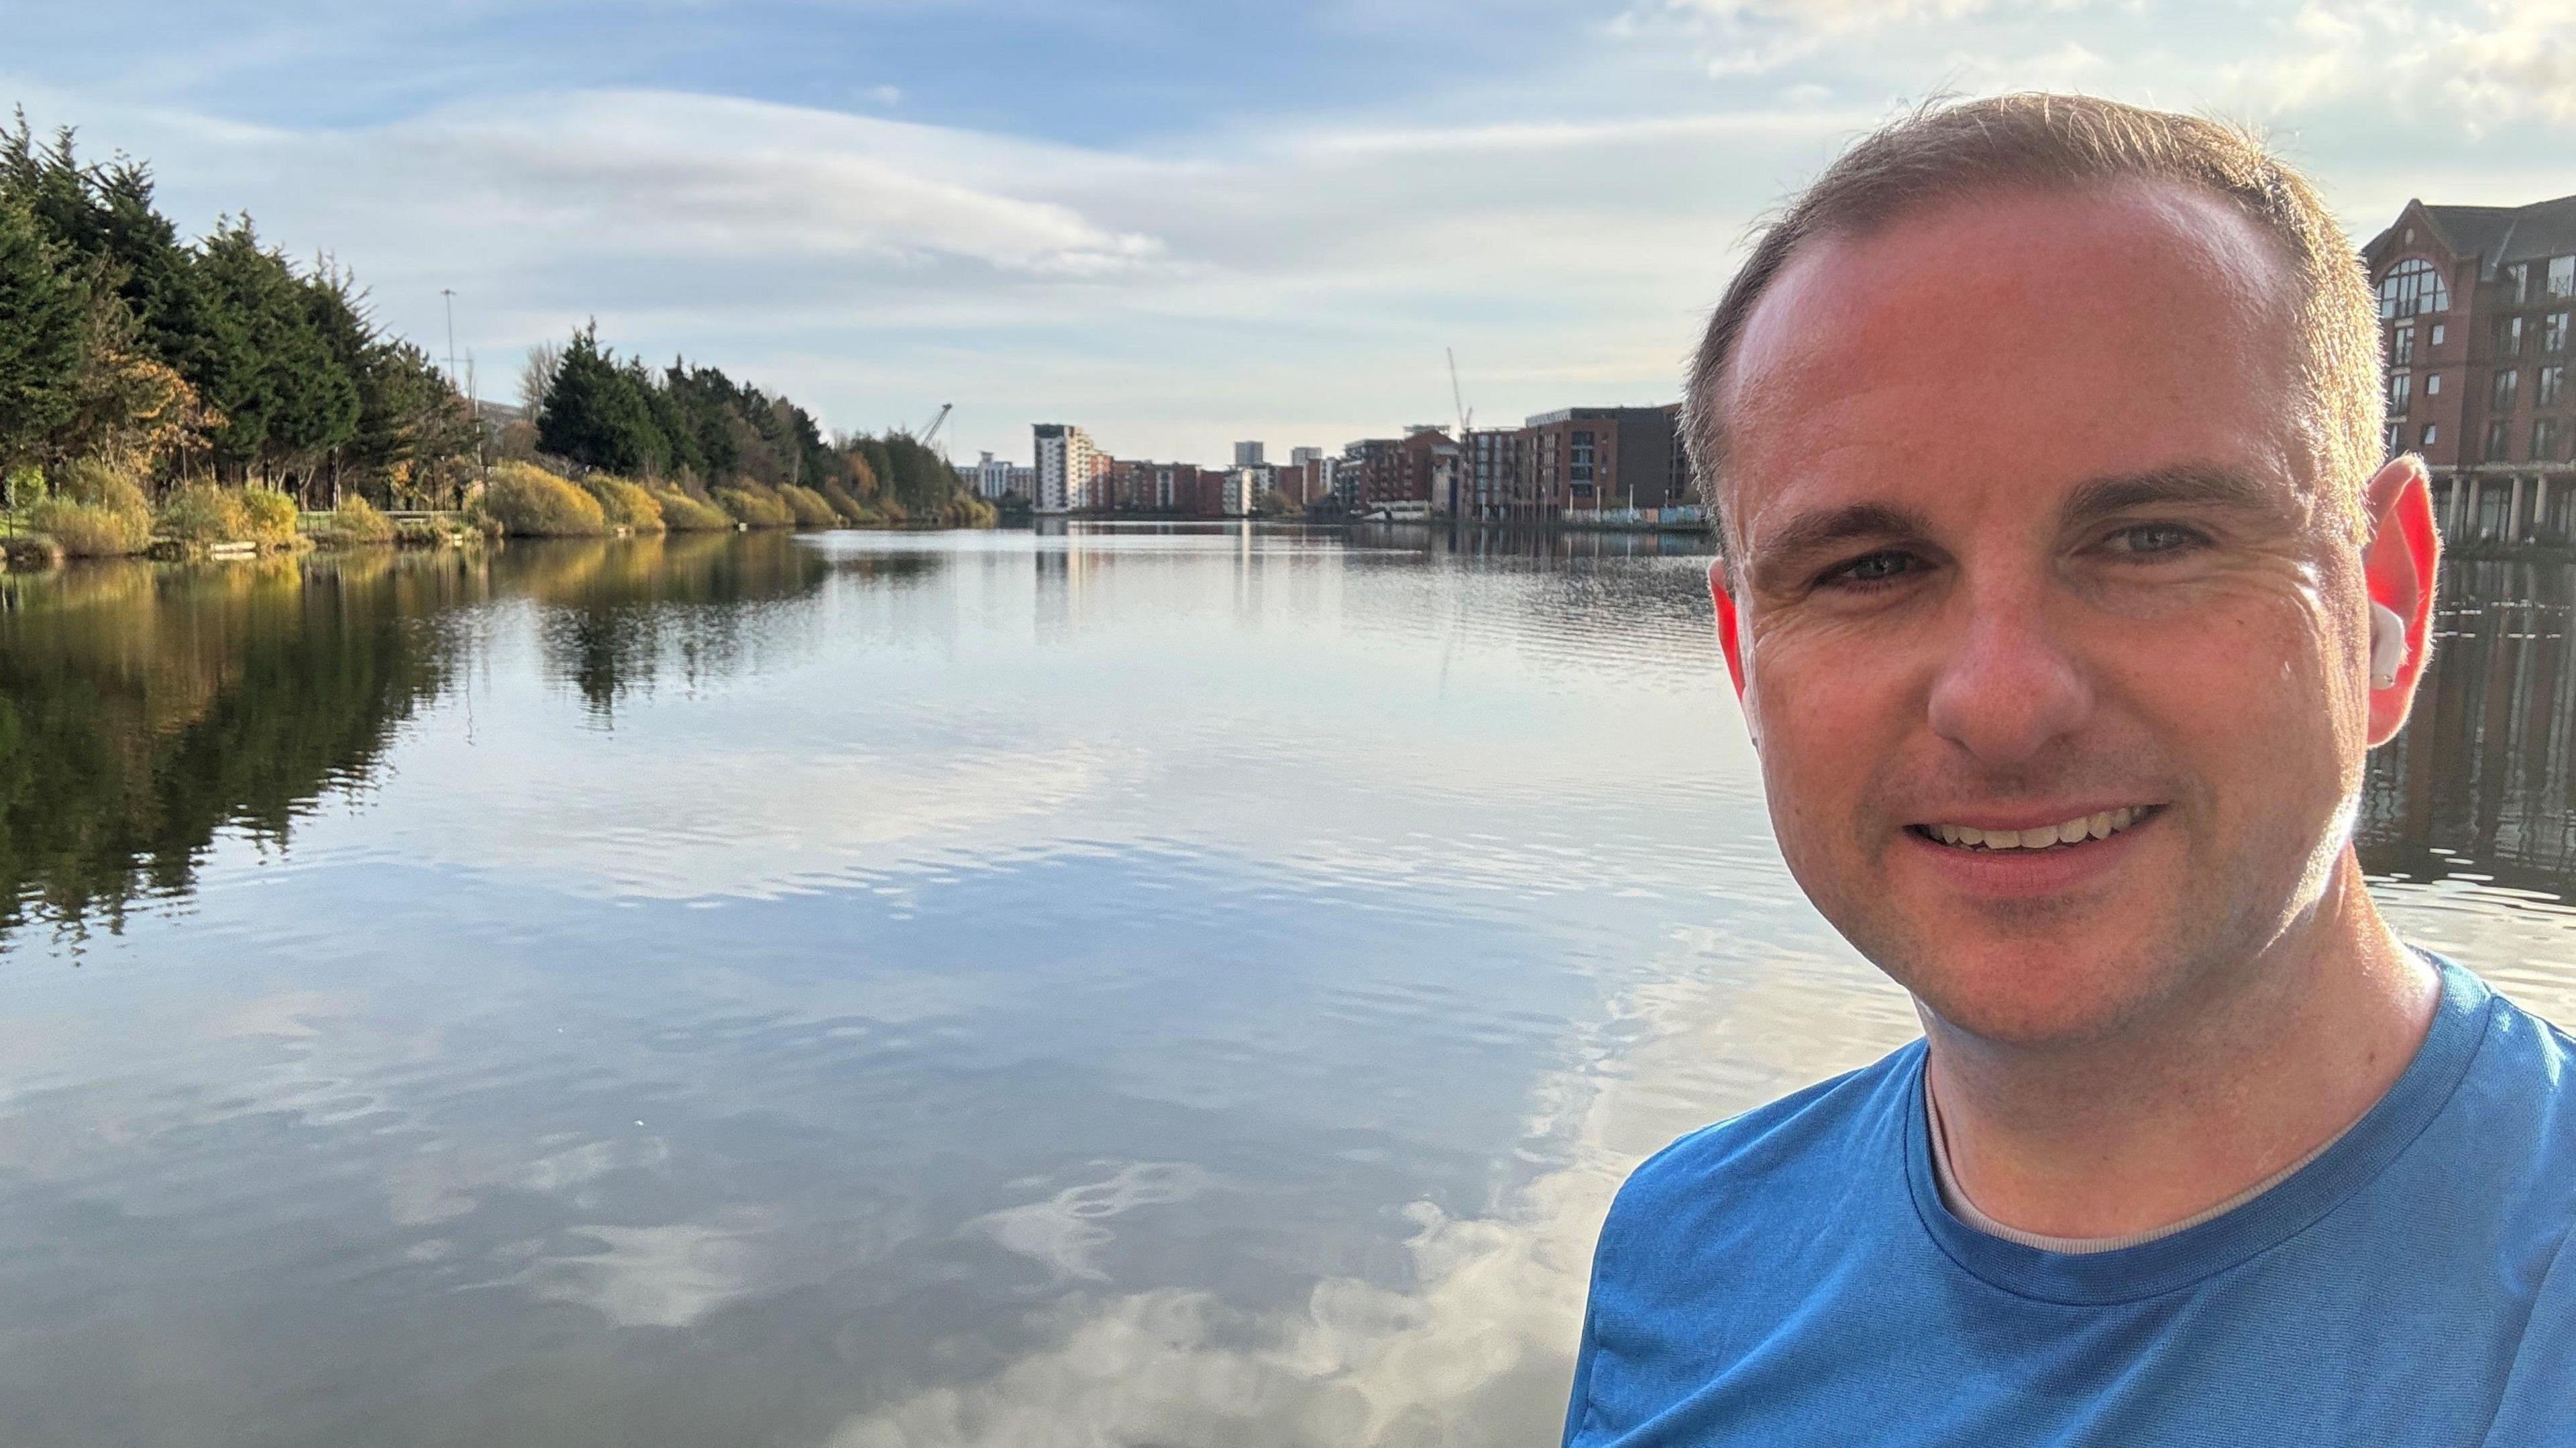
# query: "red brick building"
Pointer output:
{"type": "Point", "coordinates": [2475, 309]}
{"type": "Point", "coordinates": [1587, 458]}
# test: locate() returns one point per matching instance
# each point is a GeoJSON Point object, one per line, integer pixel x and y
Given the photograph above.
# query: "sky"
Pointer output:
{"type": "Point", "coordinates": [1176, 222]}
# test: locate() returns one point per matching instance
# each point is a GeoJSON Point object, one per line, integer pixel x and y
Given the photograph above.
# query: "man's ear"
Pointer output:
{"type": "Point", "coordinates": [2400, 562]}
{"type": "Point", "coordinates": [1728, 642]}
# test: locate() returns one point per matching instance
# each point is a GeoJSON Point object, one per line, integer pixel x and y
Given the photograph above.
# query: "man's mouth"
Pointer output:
{"type": "Point", "coordinates": [2100, 825]}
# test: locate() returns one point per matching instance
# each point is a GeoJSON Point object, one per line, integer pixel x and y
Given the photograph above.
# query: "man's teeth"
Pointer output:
{"type": "Point", "coordinates": [2083, 827]}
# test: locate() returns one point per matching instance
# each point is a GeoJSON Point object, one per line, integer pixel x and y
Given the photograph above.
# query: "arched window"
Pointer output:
{"type": "Point", "coordinates": [2412, 287]}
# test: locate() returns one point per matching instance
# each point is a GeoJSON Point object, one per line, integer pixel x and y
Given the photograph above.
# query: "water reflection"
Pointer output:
{"type": "Point", "coordinates": [617, 613]}
{"type": "Point", "coordinates": [2484, 777]}
{"type": "Point", "coordinates": [143, 708]}
{"type": "Point", "coordinates": [1139, 985]}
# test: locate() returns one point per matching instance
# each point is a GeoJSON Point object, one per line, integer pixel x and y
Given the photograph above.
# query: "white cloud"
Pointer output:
{"type": "Point", "coordinates": [2479, 64]}
{"type": "Point", "coordinates": [1757, 37]}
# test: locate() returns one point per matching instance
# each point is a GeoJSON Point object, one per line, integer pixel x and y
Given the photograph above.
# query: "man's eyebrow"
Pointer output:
{"type": "Point", "coordinates": [1814, 532]}
{"type": "Point", "coordinates": [2206, 485]}
{"type": "Point", "coordinates": [1826, 527]}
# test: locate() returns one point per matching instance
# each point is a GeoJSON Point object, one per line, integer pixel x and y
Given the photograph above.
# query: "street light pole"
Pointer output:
{"type": "Point", "coordinates": [450, 294]}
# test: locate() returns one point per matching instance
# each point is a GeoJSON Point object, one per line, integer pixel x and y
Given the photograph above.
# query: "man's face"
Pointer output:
{"type": "Point", "coordinates": [2024, 554]}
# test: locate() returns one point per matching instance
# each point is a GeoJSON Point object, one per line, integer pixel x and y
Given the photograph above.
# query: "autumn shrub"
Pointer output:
{"type": "Point", "coordinates": [420, 533]}
{"type": "Point", "coordinates": [102, 485]}
{"type": "Point", "coordinates": [271, 515]}
{"type": "Point", "coordinates": [92, 530]}
{"type": "Point", "coordinates": [526, 501]}
{"type": "Point", "coordinates": [198, 514]}
{"type": "Point", "coordinates": [624, 504]}
{"type": "Point", "coordinates": [684, 514]}
{"type": "Point", "coordinates": [850, 509]}
{"type": "Point", "coordinates": [754, 505]}
{"type": "Point", "coordinates": [356, 520]}
{"type": "Point", "coordinates": [808, 507]}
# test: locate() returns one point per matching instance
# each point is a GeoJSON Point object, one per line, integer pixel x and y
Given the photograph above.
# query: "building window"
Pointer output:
{"type": "Point", "coordinates": [2553, 386]}
{"type": "Point", "coordinates": [2429, 434]}
{"type": "Point", "coordinates": [2436, 340]}
{"type": "Point", "coordinates": [2401, 390]}
{"type": "Point", "coordinates": [2508, 336]}
{"type": "Point", "coordinates": [1578, 460]}
{"type": "Point", "coordinates": [2562, 276]}
{"type": "Point", "coordinates": [2433, 384]}
{"type": "Point", "coordinates": [2499, 440]}
{"type": "Point", "coordinates": [2412, 288]}
{"type": "Point", "coordinates": [2500, 396]}
{"type": "Point", "coordinates": [2553, 332]}
{"type": "Point", "coordinates": [2518, 276]}
{"type": "Point", "coordinates": [2548, 439]}
{"type": "Point", "coordinates": [2401, 345]}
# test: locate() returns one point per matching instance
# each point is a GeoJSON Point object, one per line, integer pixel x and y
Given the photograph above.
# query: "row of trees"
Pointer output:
{"type": "Point", "coordinates": [702, 431]}
{"type": "Point", "coordinates": [216, 358]}
{"type": "Point", "coordinates": [220, 360]}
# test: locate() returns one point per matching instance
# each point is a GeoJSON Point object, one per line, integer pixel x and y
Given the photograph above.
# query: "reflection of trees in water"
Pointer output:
{"type": "Point", "coordinates": [617, 612]}
{"type": "Point", "coordinates": [2486, 769]}
{"type": "Point", "coordinates": [143, 708]}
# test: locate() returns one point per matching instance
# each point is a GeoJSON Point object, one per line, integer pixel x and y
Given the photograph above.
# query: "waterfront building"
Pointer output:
{"type": "Point", "coordinates": [1492, 457]}
{"type": "Point", "coordinates": [1585, 459]}
{"type": "Point", "coordinates": [1066, 468]}
{"type": "Point", "coordinates": [1247, 455]}
{"type": "Point", "coordinates": [2475, 312]}
{"type": "Point", "coordinates": [1244, 487]}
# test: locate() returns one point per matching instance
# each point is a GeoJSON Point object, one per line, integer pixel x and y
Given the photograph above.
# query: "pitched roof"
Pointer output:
{"type": "Point", "coordinates": [2498, 235]}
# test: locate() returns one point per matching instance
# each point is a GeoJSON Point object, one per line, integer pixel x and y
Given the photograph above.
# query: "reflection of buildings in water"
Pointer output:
{"type": "Point", "coordinates": [2485, 772]}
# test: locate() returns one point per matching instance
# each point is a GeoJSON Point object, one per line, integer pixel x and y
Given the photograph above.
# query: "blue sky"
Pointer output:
{"type": "Point", "coordinates": [1177, 224]}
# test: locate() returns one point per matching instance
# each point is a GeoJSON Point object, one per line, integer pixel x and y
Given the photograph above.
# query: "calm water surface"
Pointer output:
{"type": "Point", "coordinates": [1140, 987]}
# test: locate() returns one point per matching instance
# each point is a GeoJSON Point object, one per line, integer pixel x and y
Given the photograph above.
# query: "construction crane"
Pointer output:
{"type": "Point", "coordinates": [930, 434]}
{"type": "Point", "coordinates": [1459, 480]}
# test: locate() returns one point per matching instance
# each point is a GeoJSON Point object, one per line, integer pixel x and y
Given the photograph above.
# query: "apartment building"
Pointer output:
{"type": "Point", "coordinates": [2475, 305]}
{"type": "Point", "coordinates": [1067, 467]}
{"type": "Point", "coordinates": [991, 476]}
{"type": "Point", "coordinates": [1588, 458]}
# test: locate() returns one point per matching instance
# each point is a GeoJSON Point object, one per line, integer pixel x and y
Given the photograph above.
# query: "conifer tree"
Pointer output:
{"type": "Point", "coordinates": [43, 311]}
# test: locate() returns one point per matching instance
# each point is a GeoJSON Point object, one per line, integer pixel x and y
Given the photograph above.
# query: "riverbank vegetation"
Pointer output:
{"type": "Point", "coordinates": [756, 459]}
{"type": "Point", "coordinates": [186, 395]}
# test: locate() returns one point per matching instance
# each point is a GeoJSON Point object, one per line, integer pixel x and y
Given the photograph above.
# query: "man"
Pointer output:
{"type": "Point", "coordinates": [2045, 434]}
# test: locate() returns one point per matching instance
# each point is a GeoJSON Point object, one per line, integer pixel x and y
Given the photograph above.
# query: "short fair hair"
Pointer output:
{"type": "Point", "coordinates": [1947, 149]}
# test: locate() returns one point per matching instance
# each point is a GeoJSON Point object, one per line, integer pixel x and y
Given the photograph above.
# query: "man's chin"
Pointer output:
{"type": "Point", "coordinates": [2033, 993]}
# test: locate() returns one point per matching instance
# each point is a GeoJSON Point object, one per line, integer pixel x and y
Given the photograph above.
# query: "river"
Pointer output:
{"type": "Point", "coordinates": [1134, 986]}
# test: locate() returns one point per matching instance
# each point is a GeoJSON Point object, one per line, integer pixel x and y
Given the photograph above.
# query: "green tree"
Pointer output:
{"type": "Point", "coordinates": [44, 312]}
{"type": "Point", "coordinates": [251, 343]}
{"type": "Point", "coordinates": [597, 416]}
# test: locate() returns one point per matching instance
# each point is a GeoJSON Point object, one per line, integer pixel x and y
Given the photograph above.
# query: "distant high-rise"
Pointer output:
{"type": "Point", "coordinates": [1301, 456]}
{"type": "Point", "coordinates": [1066, 461]}
{"type": "Point", "coordinates": [1247, 454]}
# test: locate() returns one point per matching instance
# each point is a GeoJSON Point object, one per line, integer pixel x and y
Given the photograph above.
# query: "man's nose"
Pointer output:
{"type": "Point", "coordinates": [2009, 685]}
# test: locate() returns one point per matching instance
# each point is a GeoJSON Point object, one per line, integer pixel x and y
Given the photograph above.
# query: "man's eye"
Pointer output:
{"type": "Point", "coordinates": [2151, 538]}
{"type": "Point", "coordinates": [1869, 569]}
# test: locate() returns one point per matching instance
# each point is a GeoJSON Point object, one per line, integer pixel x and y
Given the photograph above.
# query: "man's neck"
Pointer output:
{"type": "Point", "coordinates": [2190, 1109]}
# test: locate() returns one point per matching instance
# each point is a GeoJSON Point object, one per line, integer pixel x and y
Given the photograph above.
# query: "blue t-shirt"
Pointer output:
{"type": "Point", "coordinates": [1791, 1277]}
